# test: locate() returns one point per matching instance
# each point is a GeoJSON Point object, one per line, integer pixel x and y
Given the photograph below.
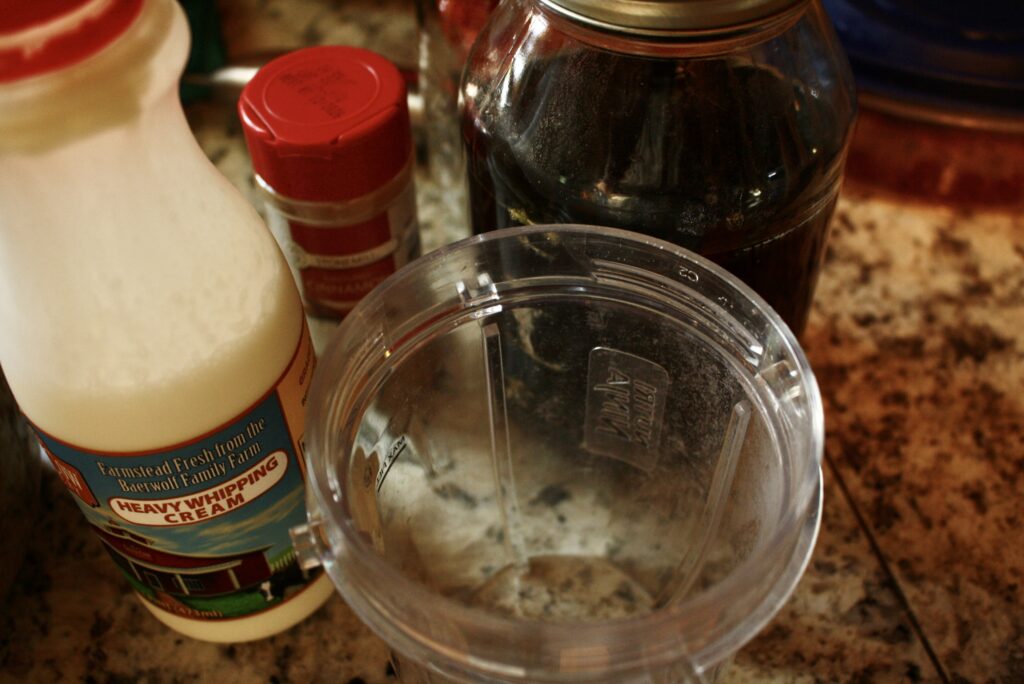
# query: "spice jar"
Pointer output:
{"type": "Point", "coordinates": [721, 126]}
{"type": "Point", "coordinates": [329, 135]}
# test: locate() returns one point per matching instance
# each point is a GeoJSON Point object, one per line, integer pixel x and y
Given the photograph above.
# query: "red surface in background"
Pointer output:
{"type": "Point", "coordinates": [936, 163]}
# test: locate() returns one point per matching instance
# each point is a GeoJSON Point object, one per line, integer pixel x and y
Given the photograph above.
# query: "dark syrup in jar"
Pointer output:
{"type": "Point", "coordinates": [731, 161]}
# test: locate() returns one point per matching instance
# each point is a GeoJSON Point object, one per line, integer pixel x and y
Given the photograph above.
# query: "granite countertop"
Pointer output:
{"type": "Point", "coordinates": [915, 337]}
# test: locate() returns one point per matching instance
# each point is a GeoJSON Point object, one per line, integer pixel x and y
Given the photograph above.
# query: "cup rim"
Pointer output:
{"type": "Point", "coordinates": [668, 628]}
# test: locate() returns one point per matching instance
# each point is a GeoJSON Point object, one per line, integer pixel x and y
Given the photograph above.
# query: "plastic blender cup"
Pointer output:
{"type": "Point", "coordinates": [563, 454]}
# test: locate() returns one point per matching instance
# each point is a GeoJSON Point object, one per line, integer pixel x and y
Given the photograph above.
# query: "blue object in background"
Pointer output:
{"type": "Point", "coordinates": [961, 56]}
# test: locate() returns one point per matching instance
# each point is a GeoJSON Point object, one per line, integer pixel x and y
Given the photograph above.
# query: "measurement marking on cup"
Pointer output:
{"type": "Point", "coordinates": [389, 460]}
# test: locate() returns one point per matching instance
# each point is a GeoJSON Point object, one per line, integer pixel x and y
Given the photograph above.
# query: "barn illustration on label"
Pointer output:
{"type": "Point", "coordinates": [173, 579]}
{"type": "Point", "coordinates": [188, 575]}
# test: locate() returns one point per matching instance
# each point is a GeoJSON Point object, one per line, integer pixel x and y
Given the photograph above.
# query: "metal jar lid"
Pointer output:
{"type": "Point", "coordinates": [670, 17]}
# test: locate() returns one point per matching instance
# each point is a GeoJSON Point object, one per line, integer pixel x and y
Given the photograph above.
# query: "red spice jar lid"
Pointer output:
{"type": "Point", "coordinates": [327, 123]}
{"type": "Point", "coordinates": [40, 36]}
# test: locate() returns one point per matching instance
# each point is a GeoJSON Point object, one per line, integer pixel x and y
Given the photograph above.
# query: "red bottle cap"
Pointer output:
{"type": "Point", "coordinates": [41, 36]}
{"type": "Point", "coordinates": [326, 123]}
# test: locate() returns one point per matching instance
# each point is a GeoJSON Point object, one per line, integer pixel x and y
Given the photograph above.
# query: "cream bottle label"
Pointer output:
{"type": "Point", "coordinates": [200, 529]}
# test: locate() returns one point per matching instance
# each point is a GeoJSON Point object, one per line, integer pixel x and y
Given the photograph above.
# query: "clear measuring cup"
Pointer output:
{"type": "Point", "coordinates": [631, 505]}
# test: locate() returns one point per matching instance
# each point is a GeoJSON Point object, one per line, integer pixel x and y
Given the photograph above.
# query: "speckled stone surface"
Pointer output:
{"type": "Point", "coordinates": [922, 369]}
{"type": "Point", "coordinates": [254, 28]}
{"type": "Point", "coordinates": [916, 339]}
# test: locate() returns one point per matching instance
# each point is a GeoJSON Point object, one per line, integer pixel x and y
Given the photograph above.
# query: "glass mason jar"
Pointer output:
{"type": "Point", "coordinates": [721, 126]}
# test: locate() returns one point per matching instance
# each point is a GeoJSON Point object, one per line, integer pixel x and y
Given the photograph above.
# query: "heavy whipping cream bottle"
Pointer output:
{"type": "Point", "coordinates": [151, 329]}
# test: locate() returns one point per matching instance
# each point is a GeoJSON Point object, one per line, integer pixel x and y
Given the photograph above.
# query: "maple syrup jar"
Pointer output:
{"type": "Point", "coordinates": [721, 126]}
